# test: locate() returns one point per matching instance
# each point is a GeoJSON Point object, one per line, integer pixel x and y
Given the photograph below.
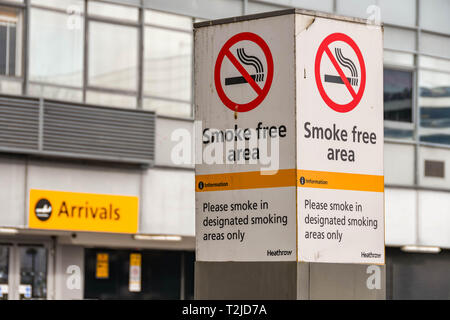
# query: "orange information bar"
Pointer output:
{"type": "Point", "coordinates": [245, 180]}
{"type": "Point", "coordinates": [340, 181]}
{"type": "Point", "coordinates": [289, 178]}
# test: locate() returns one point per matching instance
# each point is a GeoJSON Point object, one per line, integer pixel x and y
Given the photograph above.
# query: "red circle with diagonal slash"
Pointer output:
{"type": "Point", "coordinates": [356, 95]}
{"type": "Point", "coordinates": [225, 52]}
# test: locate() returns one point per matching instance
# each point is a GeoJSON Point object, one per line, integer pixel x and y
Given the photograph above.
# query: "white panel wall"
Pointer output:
{"type": "Point", "coordinates": [400, 216]}
{"type": "Point", "coordinates": [434, 15]}
{"type": "Point", "coordinates": [168, 202]}
{"type": "Point", "coordinates": [398, 164]}
{"type": "Point", "coordinates": [435, 44]}
{"type": "Point", "coordinates": [257, 7]}
{"type": "Point", "coordinates": [77, 178]}
{"type": "Point", "coordinates": [354, 8]}
{"type": "Point", "coordinates": [399, 39]}
{"type": "Point", "coordinates": [12, 192]}
{"type": "Point", "coordinates": [399, 12]}
{"type": "Point", "coordinates": [322, 5]}
{"type": "Point", "coordinates": [206, 9]}
{"type": "Point", "coordinates": [69, 268]}
{"type": "Point", "coordinates": [434, 154]}
{"type": "Point", "coordinates": [434, 218]}
{"type": "Point", "coordinates": [165, 128]}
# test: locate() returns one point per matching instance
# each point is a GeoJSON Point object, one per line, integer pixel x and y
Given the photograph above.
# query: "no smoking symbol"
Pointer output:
{"type": "Point", "coordinates": [338, 61]}
{"type": "Point", "coordinates": [245, 77]}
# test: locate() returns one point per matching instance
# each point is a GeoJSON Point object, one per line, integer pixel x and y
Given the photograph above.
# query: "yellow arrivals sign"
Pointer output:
{"type": "Point", "coordinates": [58, 210]}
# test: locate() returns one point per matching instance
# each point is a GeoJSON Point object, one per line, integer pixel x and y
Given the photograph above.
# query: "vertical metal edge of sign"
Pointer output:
{"type": "Point", "coordinates": [195, 113]}
{"type": "Point", "coordinates": [138, 213]}
{"type": "Point", "coordinates": [139, 204]}
{"type": "Point", "coordinates": [27, 198]}
{"type": "Point", "coordinates": [382, 150]}
{"type": "Point", "coordinates": [27, 209]}
{"type": "Point", "coordinates": [295, 137]}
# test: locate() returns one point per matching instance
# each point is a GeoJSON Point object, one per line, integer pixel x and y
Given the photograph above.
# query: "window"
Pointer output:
{"type": "Point", "coordinates": [395, 58]}
{"type": "Point", "coordinates": [58, 4]}
{"type": "Point", "coordinates": [168, 63]}
{"type": "Point", "coordinates": [408, 275]}
{"type": "Point", "coordinates": [113, 54]}
{"type": "Point", "coordinates": [434, 63]}
{"type": "Point", "coordinates": [397, 91]}
{"type": "Point", "coordinates": [434, 102]}
{"type": "Point", "coordinates": [4, 271]}
{"type": "Point", "coordinates": [10, 41]}
{"type": "Point", "coordinates": [434, 15]}
{"type": "Point", "coordinates": [390, 12]}
{"type": "Point", "coordinates": [33, 272]}
{"type": "Point", "coordinates": [56, 49]}
{"type": "Point", "coordinates": [189, 274]}
{"type": "Point", "coordinates": [398, 104]}
{"type": "Point", "coordinates": [163, 19]}
{"type": "Point", "coordinates": [160, 275]}
{"type": "Point", "coordinates": [435, 45]}
{"type": "Point", "coordinates": [168, 57]}
{"type": "Point", "coordinates": [113, 11]}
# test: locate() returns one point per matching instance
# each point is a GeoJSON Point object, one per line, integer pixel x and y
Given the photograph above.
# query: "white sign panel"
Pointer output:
{"type": "Point", "coordinates": [289, 140]}
{"type": "Point", "coordinates": [340, 143]}
{"type": "Point", "coordinates": [245, 98]}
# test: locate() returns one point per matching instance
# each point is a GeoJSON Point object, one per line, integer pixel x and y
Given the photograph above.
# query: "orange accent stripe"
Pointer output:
{"type": "Point", "coordinates": [245, 180]}
{"type": "Point", "coordinates": [288, 178]}
{"type": "Point", "coordinates": [340, 181]}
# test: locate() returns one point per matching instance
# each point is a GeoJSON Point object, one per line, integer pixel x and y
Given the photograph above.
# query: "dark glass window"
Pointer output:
{"type": "Point", "coordinates": [412, 276]}
{"type": "Point", "coordinates": [434, 105]}
{"type": "Point", "coordinates": [4, 264]}
{"type": "Point", "coordinates": [397, 91]}
{"type": "Point", "coordinates": [4, 270]}
{"type": "Point", "coordinates": [189, 263]}
{"type": "Point", "coordinates": [33, 272]}
{"type": "Point", "coordinates": [160, 275]}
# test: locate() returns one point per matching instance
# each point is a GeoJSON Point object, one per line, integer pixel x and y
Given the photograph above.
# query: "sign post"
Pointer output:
{"type": "Point", "coordinates": [289, 157]}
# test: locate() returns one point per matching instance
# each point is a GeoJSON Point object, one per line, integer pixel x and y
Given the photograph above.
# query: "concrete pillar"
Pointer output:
{"type": "Point", "coordinates": [288, 281]}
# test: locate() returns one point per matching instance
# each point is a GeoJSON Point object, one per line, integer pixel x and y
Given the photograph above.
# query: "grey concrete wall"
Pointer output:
{"type": "Point", "coordinates": [245, 280]}
{"type": "Point", "coordinates": [167, 203]}
{"type": "Point", "coordinates": [69, 273]}
{"type": "Point", "coordinates": [398, 164]}
{"type": "Point", "coordinates": [288, 281]}
{"type": "Point", "coordinates": [12, 192]}
{"type": "Point", "coordinates": [347, 281]}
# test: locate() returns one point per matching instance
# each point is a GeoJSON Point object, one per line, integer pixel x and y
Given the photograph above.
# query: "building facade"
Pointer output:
{"type": "Point", "coordinates": [91, 94]}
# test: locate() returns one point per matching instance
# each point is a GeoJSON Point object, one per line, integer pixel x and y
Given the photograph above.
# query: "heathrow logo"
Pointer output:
{"type": "Point", "coordinates": [43, 209]}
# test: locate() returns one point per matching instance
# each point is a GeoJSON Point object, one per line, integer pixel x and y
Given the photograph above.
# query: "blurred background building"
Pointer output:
{"type": "Point", "coordinates": [90, 93]}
